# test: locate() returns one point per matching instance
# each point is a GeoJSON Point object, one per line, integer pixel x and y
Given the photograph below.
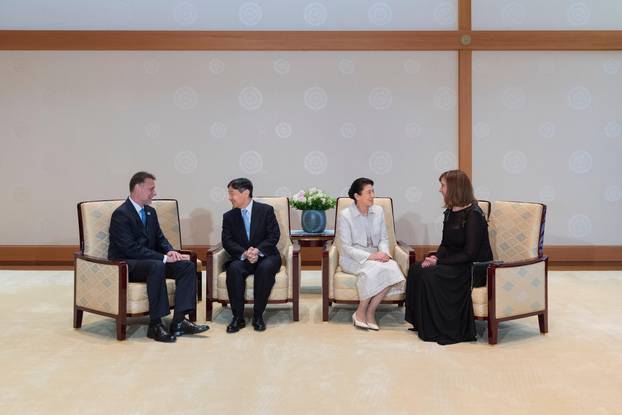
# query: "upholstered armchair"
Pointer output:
{"type": "Point", "coordinates": [517, 280]}
{"type": "Point", "coordinates": [101, 286]}
{"type": "Point", "coordinates": [287, 285]}
{"type": "Point", "coordinates": [339, 286]}
{"type": "Point", "coordinates": [168, 216]}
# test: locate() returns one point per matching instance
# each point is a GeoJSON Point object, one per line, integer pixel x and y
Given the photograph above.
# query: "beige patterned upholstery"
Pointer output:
{"type": "Point", "coordinates": [341, 285]}
{"type": "Point", "coordinates": [484, 205]}
{"type": "Point", "coordinates": [95, 225]}
{"type": "Point", "coordinates": [519, 284]}
{"type": "Point", "coordinates": [97, 286]}
{"type": "Point", "coordinates": [283, 290]}
{"type": "Point", "coordinates": [515, 230]}
{"type": "Point", "coordinates": [168, 216]}
{"type": "Point", "coordinates": [99, 283]}
{"type": "Point", "coordinates": [519, 290]}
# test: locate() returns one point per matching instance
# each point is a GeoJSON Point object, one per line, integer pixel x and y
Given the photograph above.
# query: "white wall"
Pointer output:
{"type": "Point", "coordinates": [548, 127]}
{"type": "Point", "coordinates": [77, 125]}
{"type": "Point", "coordinates": [230, 14]}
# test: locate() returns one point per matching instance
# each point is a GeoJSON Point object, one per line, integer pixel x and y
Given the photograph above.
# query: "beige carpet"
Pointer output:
{"type": "Point", "coordinates": [310, 367]}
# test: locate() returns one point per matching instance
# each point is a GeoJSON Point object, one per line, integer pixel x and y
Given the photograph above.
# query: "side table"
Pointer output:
{"type": "Point", "coordinates": [311, 246]}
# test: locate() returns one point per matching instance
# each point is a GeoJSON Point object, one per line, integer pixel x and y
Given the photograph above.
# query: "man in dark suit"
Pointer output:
{"type": "Point", "coordinates": [250, 234]}
{"type": "Point", "coordinates": [136, 238]}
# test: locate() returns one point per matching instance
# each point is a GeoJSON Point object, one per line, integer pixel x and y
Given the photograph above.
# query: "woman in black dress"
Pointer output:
{"type": "Point", "coordinates": [438, 290]}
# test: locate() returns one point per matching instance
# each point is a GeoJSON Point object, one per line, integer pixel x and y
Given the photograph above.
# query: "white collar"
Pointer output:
{"type": "Point", "coordinates": [136, 205]}
{"type": "Point", "coordinates": [249, 207]}
{"type": "Point", "coordinates": [356, 212]}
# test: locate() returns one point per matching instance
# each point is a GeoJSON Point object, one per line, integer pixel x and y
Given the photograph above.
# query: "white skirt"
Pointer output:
{"type": "Point", "coordinates": [375, 276]}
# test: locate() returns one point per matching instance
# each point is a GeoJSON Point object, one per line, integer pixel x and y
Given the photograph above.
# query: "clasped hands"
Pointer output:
{"type": "Point", "coordinates": [379, 256]}
{"type": "Point", "coordinates": [429, 261]}
{"type": "Point", "coordinates": [252, 255]}
{"type": "Point", "coordinates": [174, 256]}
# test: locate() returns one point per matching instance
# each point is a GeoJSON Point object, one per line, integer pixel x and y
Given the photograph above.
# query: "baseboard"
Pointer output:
{"type": "Point", "coordinates": [588, 257]}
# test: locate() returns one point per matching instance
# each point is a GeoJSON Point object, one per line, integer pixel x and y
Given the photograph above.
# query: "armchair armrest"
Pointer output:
{"type": "Point", "coordinates": [100, 284]}
{"type": "Point", "coordinates": [191, 254]}
{"type": "Point", "coordinates": [518, 288]}
{"type": "Point", "coordinates": [97, 260]}
{"type": "Point", "coordinates": [402, 255]}
{"type": "Point", "coordinates": [214, 265]}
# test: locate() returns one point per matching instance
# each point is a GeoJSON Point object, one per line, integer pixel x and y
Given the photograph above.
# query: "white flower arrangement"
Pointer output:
{"type": "Point", "coordinates": [312, 199]}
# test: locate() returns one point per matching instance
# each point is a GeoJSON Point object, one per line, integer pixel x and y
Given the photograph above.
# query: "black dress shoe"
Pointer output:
{"type": "Point", "coordinates": [258, 324]}
{"type": "Point", "coordinates": [187, 327]}
{"type": "Point", "coordinates": [235, 325]}
{"type": "Point", "coordinates": [158, 333]}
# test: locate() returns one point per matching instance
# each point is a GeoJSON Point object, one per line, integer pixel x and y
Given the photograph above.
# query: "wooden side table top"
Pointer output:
{"type": "Point", "coordinates": [312, 239]}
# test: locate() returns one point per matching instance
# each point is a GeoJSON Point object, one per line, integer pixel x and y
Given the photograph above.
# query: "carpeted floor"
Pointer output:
{"type": "Point", "coordinates": [310, 367]}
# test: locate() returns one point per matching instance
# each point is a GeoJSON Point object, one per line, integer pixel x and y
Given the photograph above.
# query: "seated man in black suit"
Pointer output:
{"type": "Point", "coordinates": [250, 233]}
{"type": "Point", "coordinates": [136, 238]}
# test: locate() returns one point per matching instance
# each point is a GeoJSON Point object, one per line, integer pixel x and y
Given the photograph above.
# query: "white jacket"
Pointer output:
{"type": "Point", "coordinates": [351, 229]}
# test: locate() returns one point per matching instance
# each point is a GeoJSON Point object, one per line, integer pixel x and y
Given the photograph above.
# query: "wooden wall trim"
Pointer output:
{"type": "Point", "coordinates": [312, 40]}
{"type": "Point", "coordinates": [228, 40]}
{"type": "Point", "coordinates": [546, 40]}
{"type": "Point", "coordinates": [465, 112]}
{"type": "Point", "coordinates": [62, 255]}
{"type": "Point", "coordinates": [464, 14]}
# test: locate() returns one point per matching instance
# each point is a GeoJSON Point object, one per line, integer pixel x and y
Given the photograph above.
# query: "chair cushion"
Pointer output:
{"type": "Point", "coordinates": [479, 296]}
{"type": "Point", "coordinates": [480, 310]}
{"type": "Point", "coordinates": [137, 301]}
{"type": "Point", "coordinates": [279, 290]}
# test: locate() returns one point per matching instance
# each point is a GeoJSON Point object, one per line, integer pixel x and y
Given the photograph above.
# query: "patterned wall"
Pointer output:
{"type": "Point", "coordinates": [546, 15]}
{"type": "Point", "coordinates": [231, 14]}
{"type": "Point", "coordinates": [548, 127]}
{"type": "Point", "coordinates": [78, 124]}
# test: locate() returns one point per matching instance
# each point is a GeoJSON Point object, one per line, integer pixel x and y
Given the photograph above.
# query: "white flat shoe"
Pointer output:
{"type": "Point", "coordinates": [357, 323]}
{"type": "Point", "coordinates": [373, 326]}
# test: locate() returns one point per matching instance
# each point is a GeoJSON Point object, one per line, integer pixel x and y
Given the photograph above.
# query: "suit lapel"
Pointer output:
{"type": "Point", "coordinates": [254, 219]}
{"type": "Point", "coordinates": [134, 214]}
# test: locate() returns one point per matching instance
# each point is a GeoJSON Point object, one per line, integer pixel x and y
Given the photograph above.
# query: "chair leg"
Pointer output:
{"type": "Point", "coordinates": [543, 321]}
{"type": "Point", "coordinates": [296, 310]}
{"type": "Point", "coordinates": [493, 327]}
{"type": "Point", "coordinates": [77, 318]}
{"type": "Point", "coordinates": [199, 285]}
{"type": "Point", "coordinates": [325, 304]}
{"type": "Point", "coordinates": [121, 328]}
{"type": "Point", "coordinates": [208, 309]}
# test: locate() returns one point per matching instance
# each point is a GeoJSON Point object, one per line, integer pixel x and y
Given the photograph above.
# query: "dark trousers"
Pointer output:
{"type": "Point", "coordinates": [154, 273]}
{"type": "Point", "coordinates": [264, 271]}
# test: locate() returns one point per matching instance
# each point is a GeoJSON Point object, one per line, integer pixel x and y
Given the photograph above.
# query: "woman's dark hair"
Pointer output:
{"type": "Point", "coordinates": [358, 185]}
{"type": "Point", "coordinates": [241, 185]}
{"type": "Point", "coordinates": [459, 189]}
{"type": "Point", "coordinates": [139, 178]}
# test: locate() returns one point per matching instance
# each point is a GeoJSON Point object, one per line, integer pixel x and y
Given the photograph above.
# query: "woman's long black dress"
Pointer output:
{"type": "Point", "coordinates": [438, 298]}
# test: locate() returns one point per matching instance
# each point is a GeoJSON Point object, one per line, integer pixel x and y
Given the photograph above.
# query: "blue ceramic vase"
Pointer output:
{"type": "Point", "coordinates": [313, 221]}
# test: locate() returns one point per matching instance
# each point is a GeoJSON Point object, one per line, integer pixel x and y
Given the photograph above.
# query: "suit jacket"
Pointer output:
{"type": "Point", "coordinates": [264, 232]}
{"type": "Point", "coordinates": [129, 239]}
{"type": "Point", "coordinates": [351, 228]}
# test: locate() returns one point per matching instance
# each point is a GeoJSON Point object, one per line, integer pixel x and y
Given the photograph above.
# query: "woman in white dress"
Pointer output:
{"type": "Point", "coordinates": [364, 252]}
